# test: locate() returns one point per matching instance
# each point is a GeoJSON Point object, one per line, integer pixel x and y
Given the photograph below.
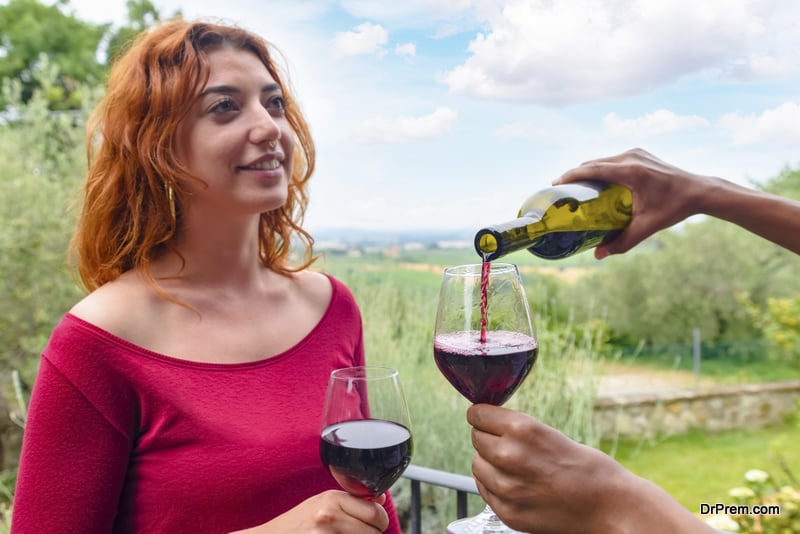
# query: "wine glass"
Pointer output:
{"type": "Point", "coordinates": [485, 345]}
{"type": "Point", "coordinates": [365, 440]}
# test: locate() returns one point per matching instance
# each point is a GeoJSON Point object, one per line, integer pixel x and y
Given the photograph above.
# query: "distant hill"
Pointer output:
{"type": "Point", "coordinates": [353, 237]}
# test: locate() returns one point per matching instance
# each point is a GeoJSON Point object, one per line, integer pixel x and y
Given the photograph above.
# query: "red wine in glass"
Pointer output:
{"type": "Point", "coordinates": [487, 371]}
{"type": "Point", "coordinates": [366, 456]}
{"type": "Point", "coordinates": [365, 437]}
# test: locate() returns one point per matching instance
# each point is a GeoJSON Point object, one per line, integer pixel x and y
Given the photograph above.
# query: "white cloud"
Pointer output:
{"type": "Point", "coordinates": [445, 31]}
{"type": "Point", "coordinates": [763, 65]}
{"type": "Point", "coordinates": [564, 51]}
{"type": "Point", "coordinates": [367, 39]}
{"type": "Point", "coordinates": [407, 9]}
{"type": "Point", "coordinates": [406, 49]}
{"type": "Point", "coordinates": [779, 126]}
{"type": "Point", "coordinates": [405, 128]}
{"type": "Point", "coordinates": [655, 123]}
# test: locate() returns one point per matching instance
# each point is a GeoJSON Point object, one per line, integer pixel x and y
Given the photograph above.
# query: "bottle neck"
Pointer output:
{"type": "Point", "coordinates": [496, 241]}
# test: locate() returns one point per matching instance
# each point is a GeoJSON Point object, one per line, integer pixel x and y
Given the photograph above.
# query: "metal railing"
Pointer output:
{"type": "Point", "coordinates": [418, 475]}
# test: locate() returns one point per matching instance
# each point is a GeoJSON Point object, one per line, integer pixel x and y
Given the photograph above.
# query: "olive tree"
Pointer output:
{"type": "Point", "coordinates": [44, 160]}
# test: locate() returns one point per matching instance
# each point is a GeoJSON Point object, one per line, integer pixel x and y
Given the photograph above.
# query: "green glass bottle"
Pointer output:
{"type": "Point", "coordinates": [560, 221]}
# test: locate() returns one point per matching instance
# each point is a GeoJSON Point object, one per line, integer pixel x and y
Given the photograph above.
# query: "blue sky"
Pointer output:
{"type": "Point", "coordinates": [449, 113]}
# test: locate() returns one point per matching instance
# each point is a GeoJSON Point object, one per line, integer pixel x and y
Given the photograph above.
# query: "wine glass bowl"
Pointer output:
{"type": "Point", "coordinates": [484, 343]}
{"type": "Point", "coordinates": [365, 441]}
{"type": "Point", "coordinates": [488, 372]}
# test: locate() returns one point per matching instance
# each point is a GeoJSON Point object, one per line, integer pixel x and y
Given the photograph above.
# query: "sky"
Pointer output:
{"type": "Point", "coordinates": [448, 114]}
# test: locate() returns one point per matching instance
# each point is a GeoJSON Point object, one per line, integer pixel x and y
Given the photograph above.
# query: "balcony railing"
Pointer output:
{"type": "Point", "coordinates": [424, 475]}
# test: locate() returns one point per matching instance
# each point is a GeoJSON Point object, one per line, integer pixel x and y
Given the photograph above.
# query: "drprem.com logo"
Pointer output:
{"type": "Point", "coordinates": [739, 509]}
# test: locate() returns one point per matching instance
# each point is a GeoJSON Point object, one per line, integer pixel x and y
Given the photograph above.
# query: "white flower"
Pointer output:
{"type": "Point", "coordinates": [741, 493]}
{"type": "Point", "coordinates": [722, 522]}
{"type": "Point", "coordinates": [756, 475]}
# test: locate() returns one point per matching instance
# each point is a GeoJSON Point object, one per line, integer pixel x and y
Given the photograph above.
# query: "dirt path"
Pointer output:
{"type": "Point", "coordinates": [618, 379]}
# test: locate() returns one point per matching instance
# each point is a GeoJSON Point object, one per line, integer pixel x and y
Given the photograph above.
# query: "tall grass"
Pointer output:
{"type": "Point", "coordinates": [399, 307]}
{"type": "Point", "coordinates": [563, 386]}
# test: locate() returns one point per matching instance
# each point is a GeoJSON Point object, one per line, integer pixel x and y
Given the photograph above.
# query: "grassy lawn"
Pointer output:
{"type": "Point", "coordinates": [700, 467]}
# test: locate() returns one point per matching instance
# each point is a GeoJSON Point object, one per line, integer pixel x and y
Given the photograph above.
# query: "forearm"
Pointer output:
{"type": "Point", "coordinates": [665, 195]}
{"type": "Point", "coordinates": [774, 218]}
{"type": "Point", "coordinates": [645, 507]}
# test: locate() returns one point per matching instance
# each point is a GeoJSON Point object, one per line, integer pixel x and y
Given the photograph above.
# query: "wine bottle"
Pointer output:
{"type": "Point", "coordinates": [560, 221]}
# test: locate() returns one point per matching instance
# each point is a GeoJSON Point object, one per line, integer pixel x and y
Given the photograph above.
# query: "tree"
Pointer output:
{"type": "Point", "coordinates": [787, 183]}
{"type": "Point", "coordinates": [29, 29]}
{"type": "Point", "coordinates": [44, 163]}
{"type": "Point", "coordinates": [141, 15]}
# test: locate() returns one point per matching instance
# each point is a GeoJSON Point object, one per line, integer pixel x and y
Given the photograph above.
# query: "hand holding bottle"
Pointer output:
{"type": "Point", "coordinates": [664, 195]}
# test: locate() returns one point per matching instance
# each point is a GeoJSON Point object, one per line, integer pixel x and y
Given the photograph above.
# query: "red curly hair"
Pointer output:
{"type": "Point", "coordinates": [127, 216]}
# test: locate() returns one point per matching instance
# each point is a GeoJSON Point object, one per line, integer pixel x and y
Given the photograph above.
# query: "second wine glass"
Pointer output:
{"type": "Point", "coordinates": [365, 440]}
{"type": "Point", "coordinates": [485, 345]}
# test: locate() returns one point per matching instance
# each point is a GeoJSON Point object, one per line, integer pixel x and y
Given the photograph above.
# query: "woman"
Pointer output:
{"type": "Point", "coordinates": [184, 393]}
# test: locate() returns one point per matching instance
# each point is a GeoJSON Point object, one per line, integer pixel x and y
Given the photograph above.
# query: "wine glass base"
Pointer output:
{"type": "Point", "coordinates": [485, 522]}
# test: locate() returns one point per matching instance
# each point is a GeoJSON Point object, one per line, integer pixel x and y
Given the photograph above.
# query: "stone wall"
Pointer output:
{"type": "Point", "coordinates": [713, 409]}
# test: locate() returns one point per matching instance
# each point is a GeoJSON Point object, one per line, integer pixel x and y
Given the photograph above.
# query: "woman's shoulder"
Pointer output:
{"type": "Point", "coordinates": [118, 306]}
{"type": "Point", "coordinates": [327, 288]}
{"type": "Point", "coordinates": [315, 285]}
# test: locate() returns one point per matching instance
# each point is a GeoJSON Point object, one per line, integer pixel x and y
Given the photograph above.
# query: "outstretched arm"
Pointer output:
{"type": "Point", "coordinates": [664, 195]}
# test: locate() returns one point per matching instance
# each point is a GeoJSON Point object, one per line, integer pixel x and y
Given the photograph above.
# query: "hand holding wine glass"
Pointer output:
{"type": "Point", "coordinates": [366, 432]}
{"type": "Point", "coordinates": [484, 344]}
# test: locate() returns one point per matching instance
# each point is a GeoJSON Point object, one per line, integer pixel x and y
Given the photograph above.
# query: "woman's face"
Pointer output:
{"type": "Point", "coordinates": [237, 139]}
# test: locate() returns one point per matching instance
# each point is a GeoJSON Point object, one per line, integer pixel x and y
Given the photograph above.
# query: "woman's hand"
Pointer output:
{"type": "Point", "coordinates": [330, 512]}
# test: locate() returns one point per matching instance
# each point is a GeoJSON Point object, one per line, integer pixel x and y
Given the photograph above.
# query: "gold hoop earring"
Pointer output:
{"type": "Point", "coordinates": [171, 200]}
